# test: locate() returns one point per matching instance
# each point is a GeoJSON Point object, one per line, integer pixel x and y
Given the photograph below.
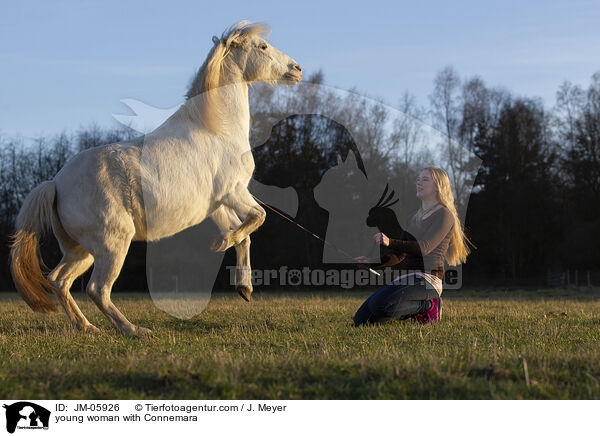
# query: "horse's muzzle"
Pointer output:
{"type": "Point", "coordinates": [294, 74]}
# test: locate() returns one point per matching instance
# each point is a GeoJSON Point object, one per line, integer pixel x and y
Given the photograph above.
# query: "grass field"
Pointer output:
{"type": "Point", "coordinates": [491, 344]}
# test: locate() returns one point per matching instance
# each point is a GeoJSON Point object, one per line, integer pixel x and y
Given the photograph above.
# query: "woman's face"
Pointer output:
{"type": "Point", "coordinates": [425, 186]}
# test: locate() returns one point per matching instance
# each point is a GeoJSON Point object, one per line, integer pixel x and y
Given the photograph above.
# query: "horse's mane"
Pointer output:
{"type": "Point", "coordinates": [209, 74]}
{"type": "Point", "coordinates": [207, 104]}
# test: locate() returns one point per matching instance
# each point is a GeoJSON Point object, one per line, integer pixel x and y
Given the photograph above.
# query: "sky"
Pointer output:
{"type": "Point", "coordinates": [67, 64]}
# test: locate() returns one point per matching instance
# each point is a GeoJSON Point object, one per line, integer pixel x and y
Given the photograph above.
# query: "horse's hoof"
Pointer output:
{"type": "Point", "coordinates": [143, 331]}
{"type": "Point", "coordinates": [245, 292]}
{"type": "Point", "coordinates": [89, 328]}
{"type": "Point", "coordinates": [134, 331]}
{"type": "Point", "coordinates": [219, 243]}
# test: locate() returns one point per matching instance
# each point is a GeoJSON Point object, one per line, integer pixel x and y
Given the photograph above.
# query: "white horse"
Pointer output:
{"type": "Point", "coordinates": [197, 164]}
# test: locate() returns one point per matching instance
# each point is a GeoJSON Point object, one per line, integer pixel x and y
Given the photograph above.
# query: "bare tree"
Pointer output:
{"type": "Point", "coordinates": [568, 109]}
{"type": "Point", "coordinates": [94, 136]}
{"type": "Point", "coordinates": [446, 112]}
{"type": "Point", "coordinates": [407, 146]}
{"type": "Point", "coordinates": [582, 133]}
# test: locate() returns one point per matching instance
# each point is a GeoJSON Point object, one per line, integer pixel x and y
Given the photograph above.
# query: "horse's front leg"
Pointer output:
{"type": "Point", "coordinates": [244, 205]}
{"type": "Point", "coordinates": [228, 221]}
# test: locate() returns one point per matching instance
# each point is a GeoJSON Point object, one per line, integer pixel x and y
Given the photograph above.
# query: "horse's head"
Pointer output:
{"type": "Point", "coordinates": [241, 55]}
{"type": "Point", "coordinates": [249, 53]}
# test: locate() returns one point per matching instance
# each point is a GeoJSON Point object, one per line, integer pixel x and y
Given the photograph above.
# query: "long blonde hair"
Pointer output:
{"type": "Point", "coordinates": [458, 249]}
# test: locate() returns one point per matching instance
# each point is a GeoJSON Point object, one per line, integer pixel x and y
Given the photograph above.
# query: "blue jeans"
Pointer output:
{"type": "Point", "coordinates": [395, 301]}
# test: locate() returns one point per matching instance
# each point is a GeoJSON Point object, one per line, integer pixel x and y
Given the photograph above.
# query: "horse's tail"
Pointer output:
{"type": "Point", "coordinates": [26, 263]}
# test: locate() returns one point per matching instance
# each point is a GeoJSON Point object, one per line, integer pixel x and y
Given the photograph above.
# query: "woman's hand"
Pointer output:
{"type": "Point", "coordinates": [381, 239]}
{"type": "Point", "coordinates": [363, 262]}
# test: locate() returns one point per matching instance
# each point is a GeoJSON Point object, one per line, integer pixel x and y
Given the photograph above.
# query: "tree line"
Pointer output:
{"type": "Point", "coordinates": [527, 176]}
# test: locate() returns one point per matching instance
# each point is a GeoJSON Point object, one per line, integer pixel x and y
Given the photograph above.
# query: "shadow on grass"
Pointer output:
{"type": "Point", "coordinates": [298, 381]}
{"type": "Point", "coordinates": [197, 325]}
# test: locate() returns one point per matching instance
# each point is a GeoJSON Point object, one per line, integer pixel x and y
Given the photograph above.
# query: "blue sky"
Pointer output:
{"type": "Point", "coordinates": [65, 64]}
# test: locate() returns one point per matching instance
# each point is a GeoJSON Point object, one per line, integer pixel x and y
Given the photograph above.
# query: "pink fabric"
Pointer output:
{"type": "Point", "coordinates": [433, 314]}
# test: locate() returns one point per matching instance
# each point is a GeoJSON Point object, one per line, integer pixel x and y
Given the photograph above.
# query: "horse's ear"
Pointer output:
{"type": "Point", "coordinates": [215, 40]}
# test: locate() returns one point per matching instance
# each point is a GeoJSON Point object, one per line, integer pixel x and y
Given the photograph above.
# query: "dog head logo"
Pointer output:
{"type": "Point", "coordinates": [26, 415]}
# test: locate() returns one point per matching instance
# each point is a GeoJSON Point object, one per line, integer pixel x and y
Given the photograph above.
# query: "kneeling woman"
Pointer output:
{"type": "Point", "coordinates": [433, 234]}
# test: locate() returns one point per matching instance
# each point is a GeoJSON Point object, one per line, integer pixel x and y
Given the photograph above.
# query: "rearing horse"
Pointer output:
{"type": "Point", "coordinates": [197, 164]}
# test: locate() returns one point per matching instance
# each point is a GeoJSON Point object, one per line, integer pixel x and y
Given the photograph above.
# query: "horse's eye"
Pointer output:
{"type": "Point", "coordinates": [263, 46]}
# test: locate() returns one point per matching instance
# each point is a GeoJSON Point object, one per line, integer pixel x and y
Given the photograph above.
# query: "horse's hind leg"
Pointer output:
{"type": "Point", "coordinates": [109, 258]}
{"type": "Point", "coordinates": [227, 220]}
{"type": "Point", "coordinates": [74, 263]}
